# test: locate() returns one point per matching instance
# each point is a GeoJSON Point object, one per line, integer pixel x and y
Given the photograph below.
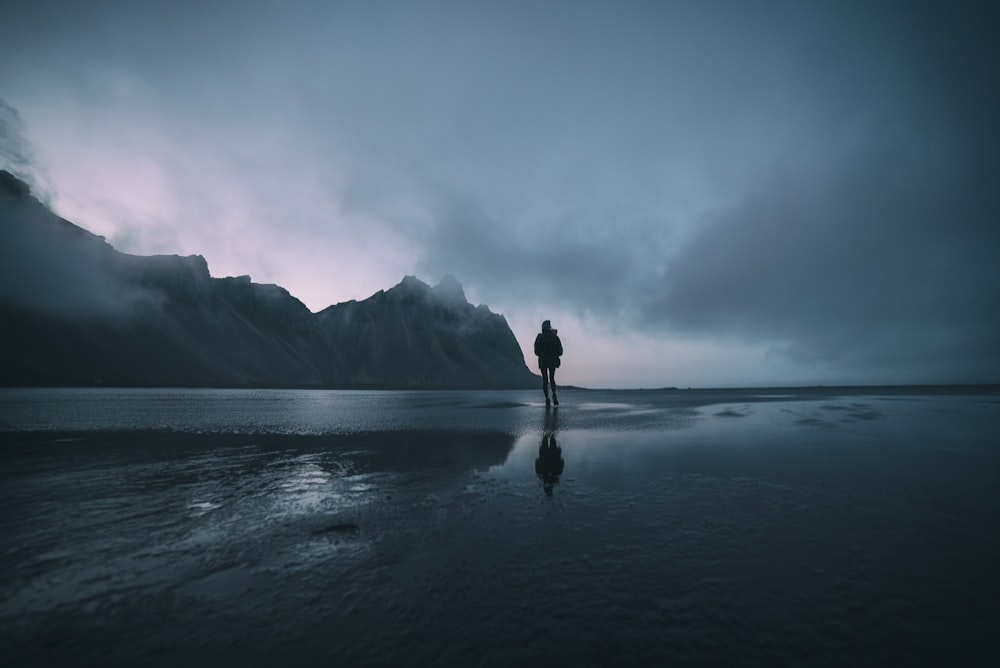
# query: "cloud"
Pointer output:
{"type": "Point", "coordinates": [852, 226]}
{"type": "Point", "coordinates": [812, 179]}
{"type": "Point", "coordinates": [17, 155]}
{"type": "Point", "coordinates": [51, 266]}
{"type": "Point", "coordinates": [585, 268]}
{"type": "Point", "coordinates": [875, 254]}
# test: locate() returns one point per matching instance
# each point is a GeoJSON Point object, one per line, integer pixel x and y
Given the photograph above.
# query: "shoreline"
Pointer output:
{"type": "Point", "coordinates": [919, 388]}
{"type": "Point", "coordinates": [323, 413]}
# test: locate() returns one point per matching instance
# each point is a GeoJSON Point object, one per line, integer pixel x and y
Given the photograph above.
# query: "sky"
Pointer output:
{"type": "Point", "coordinates": [696, 194]}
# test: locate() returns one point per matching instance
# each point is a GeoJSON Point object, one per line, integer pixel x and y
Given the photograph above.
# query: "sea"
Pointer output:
{"type": "Point", "coordinates": [818, 526]}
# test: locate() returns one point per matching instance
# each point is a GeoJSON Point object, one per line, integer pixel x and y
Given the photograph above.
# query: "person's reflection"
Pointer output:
{"type": "Point", "coordinates": [549, 465]}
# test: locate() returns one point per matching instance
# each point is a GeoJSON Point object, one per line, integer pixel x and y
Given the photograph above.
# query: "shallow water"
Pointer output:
{"type": "Point", "coordinates": [413, 528]}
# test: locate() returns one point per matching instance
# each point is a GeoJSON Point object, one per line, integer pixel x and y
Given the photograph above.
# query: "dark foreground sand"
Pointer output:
{"type": "Point", "coordinates": [822, 527]}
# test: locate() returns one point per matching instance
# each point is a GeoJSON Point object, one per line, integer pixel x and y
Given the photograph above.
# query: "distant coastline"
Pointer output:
{"type": "Point", "coordinates": [919, 388]}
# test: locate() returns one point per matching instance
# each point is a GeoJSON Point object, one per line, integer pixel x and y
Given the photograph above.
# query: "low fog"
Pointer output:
{"type": "Point", "coordinates": [53, 267]}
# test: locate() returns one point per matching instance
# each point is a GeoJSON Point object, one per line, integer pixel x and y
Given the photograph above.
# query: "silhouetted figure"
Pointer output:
{"type": "Point", "coordinates": [549, 465]}
{"type": "Point", "coordinates": [549, 349]}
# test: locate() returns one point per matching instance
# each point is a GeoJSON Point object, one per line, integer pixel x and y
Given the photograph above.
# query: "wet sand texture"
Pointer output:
{"type": "Point", "coordinates": [802, 529]}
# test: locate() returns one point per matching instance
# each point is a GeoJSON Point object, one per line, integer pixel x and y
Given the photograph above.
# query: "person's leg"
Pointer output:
{"type": "Point", "coordinates": [545, 384]}
{"type": "Point", "coordinates": [552, 382]}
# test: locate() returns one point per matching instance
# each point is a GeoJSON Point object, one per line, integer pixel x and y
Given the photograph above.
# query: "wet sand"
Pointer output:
{"type": "Point", "coordinates": [820, 527]}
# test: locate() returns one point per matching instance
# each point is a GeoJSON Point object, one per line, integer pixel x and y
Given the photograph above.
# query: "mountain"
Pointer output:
{"type": "Point", "coordinates": [75, 311]}
{"type": "Point", "coordinates": [417, 335]}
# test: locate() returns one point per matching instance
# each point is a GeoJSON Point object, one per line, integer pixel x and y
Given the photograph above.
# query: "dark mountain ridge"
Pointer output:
{"type": "Point", "coordinates": [75, 311]}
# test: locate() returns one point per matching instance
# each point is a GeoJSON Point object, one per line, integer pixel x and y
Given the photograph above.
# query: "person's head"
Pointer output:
{"type": "Point", "coordinates": [546, 326]}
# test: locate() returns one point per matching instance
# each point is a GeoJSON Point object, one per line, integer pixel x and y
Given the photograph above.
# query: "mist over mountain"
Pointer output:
{"type": "Point", "coordinates": [74, 311]}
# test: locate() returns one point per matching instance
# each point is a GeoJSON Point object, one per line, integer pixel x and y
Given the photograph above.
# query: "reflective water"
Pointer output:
{"type": "Point", "coordinates": [161, 527]}
{"type": "Point", "coordinates": [305, 412]}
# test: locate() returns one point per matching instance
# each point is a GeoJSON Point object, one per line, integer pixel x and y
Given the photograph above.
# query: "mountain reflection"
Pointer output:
{"type": "Point", "coordinates": [549, 465]}
{"type": "Point", "coordinates": [413, 450]}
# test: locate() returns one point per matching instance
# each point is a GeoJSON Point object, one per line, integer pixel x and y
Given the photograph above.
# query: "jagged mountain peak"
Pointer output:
{"type": "Point", "coordinates": [411, 283]}
{"type": "Point", "coordinates": [414, 335]}
{"type": "Point", "coordinates": [447, 291]}
{"type": "Point", "coordinates": [450, 290]}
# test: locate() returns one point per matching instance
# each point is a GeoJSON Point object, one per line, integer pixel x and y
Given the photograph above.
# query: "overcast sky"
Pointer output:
{"type": "Point", "coordinates": [695, 193]}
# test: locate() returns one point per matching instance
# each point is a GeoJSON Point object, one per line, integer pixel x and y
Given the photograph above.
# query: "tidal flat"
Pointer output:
{"type": "Point", "coordinates": [827, 526]}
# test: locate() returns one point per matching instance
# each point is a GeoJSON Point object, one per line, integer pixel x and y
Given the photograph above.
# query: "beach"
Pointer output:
{"type": "Point", "coordinates": [822, 526]}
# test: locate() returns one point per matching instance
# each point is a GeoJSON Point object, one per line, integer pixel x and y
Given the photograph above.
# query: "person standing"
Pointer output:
{"type": "Point", "coordinates": [549, 349]}
{"type": "Point", "coordinates": [549, 465]}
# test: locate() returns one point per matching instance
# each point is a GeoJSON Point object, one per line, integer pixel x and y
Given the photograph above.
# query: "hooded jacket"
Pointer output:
{"type": "Point", "coordinates": [548, 347]}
